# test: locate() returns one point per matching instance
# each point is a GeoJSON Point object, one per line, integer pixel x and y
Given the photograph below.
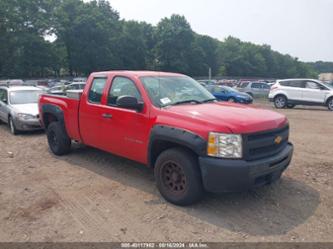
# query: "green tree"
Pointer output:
{"type": "Point", "coordinates": [89, 33]}
{"type": "Point", "coordinates": [174, 38]}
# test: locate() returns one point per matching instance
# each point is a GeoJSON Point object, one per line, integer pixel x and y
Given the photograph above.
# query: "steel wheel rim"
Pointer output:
{"type": "Point", "coordinates": [231, 100]}
{"type": "Point", "coordinates": [173, 177]}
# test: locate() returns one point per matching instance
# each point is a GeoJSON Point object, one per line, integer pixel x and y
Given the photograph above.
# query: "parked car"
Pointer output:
{"type": "Point", "coordinates": [291, 92]}
{"type": "Point", "coordinates": [230, 94]}
{"type": "Point", "coordinates": [19, 108]}
{"type": "Point", "coordinates": [255, 89]}
{"type": "Point", "coordinates": [14, 82]}
{"type": "Point", "coordinates": [58, 89]}
{"type": "Point", "coordinates": [193, 142]}
{"type": "Point", "coordinates": [76, 86]}
{"type": "Point", "coordinates": [79, 79]}
{"type": "Point", "coordinates": [208, 82]}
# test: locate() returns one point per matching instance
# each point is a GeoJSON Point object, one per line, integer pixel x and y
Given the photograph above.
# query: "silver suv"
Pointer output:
{"type": "Point", "coordinates": [19, 108]}
{"type": "Point", "coordinates": [255, 89]}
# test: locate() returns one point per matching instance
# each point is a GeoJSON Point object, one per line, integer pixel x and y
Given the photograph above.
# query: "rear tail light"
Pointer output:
{"type": "Point", "coordinates": [274, 87]}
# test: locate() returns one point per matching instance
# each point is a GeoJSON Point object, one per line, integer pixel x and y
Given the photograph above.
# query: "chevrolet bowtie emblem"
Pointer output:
{"type": "Point", "coordinates": [278, 140]}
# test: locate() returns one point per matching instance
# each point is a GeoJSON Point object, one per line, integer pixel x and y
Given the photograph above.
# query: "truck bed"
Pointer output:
{"type": "Point", "coordinates": [70, 108]}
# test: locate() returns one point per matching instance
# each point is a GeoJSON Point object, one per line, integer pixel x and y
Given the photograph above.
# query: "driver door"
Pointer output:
{"type": "Point", "coordinates": [126, 130]}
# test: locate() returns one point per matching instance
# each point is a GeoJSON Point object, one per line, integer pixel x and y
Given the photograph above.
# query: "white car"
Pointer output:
{"type": "Point", "coordinates": [291, 92]}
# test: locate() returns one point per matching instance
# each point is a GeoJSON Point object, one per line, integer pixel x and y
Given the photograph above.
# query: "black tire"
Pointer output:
{"type": "Point", "coordinates": [12, 126]}
{"type": "Point", "coordinates": [280, 101]}
{"type": "Point", "coordinates": [178, 177]}
{"type": "Point", "coordinates": [290, 106]}
{"type": "Point", "coordinates": [232, 100]}
{"type": "Point", "coordinates": [330, 104]}
{"type": "Point", "coordinates": [59, 142]}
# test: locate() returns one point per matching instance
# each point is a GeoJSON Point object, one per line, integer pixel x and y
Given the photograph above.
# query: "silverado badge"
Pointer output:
{"type": "Point", "coordinates": [278, 140]}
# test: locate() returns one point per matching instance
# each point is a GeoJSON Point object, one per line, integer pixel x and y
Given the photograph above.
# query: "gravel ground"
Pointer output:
{"type": "Point", "coordinates": [90, 195]}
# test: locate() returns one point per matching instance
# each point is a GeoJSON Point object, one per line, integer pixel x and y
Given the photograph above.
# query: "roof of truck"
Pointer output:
{"type": "Point", "coordinates": [137, 73]}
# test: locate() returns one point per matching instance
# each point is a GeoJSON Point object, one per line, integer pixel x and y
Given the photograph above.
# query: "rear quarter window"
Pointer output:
{"type": "Point", "coordinates": [96, 90]}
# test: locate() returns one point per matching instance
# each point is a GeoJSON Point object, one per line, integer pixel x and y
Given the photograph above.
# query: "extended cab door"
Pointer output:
{"type": "Point", "coordinates": [91, 113]}
{"type": "Point", "coordinates": [314, 92]}
{"type": "Point", "coordinates": [127, 131]}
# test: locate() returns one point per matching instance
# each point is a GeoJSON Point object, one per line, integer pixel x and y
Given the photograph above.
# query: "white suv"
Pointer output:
{"type": "Point", "coordinates": [291, 92]}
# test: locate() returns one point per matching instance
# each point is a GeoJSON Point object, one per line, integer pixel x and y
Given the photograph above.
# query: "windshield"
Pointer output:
{"type": "Point", "coordinates": [172, 90]}
{"type": "Point", "coordinates": [24, 97]}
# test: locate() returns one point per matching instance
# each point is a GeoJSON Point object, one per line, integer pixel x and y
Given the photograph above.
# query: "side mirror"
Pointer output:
{"type": "Point", "coordinates": [129, 102]}
{"type": "Point", "coordinates": [4, 101]}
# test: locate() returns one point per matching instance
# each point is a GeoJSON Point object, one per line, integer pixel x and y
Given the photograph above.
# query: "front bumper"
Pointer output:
{"type": "Point", "coordinates": [245, 101]}
{"type": "Point", "coordinates": [27, 125]}
{"type": "Point", "coordinates": [227, 175]}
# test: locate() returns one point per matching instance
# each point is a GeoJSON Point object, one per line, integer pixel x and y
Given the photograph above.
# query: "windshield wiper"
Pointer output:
{"type": "Point", "coordinates": [207, 100]}
{"type": "Point", "coordinates": [187, 101]}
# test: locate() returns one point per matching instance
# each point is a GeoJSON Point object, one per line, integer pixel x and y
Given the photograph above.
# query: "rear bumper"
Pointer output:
{"type": "Point", "coordinates": [225, 175]}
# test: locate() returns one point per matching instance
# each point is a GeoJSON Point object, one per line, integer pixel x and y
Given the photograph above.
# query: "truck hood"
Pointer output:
{"type": "Point", "coordinates": [31, 109]}
{"type": "Point", "coordinates": [228, 117]}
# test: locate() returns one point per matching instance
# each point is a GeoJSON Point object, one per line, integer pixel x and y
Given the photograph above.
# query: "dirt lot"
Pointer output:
{"type": "Point", "coordinates": [90, 195]}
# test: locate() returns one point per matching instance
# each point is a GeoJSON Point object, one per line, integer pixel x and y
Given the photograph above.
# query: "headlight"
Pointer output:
{"type": "Point", "coordinates": [224, 145]}
{"type": "Point", "coordinates": [25, 116]}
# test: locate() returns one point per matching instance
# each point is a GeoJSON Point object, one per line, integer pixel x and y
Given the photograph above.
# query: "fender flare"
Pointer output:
{"type": "Point", "coordinates": [174, 136]}
{"type": "Point", "coordinates": [53, 110]}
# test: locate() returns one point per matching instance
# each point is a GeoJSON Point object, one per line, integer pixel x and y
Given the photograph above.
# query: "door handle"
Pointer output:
{"type": "Point", "coordinates": [107, 115]}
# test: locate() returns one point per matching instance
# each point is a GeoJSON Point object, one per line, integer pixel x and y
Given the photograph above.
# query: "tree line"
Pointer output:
{"type": "Point", "coordinates": [90, 36]}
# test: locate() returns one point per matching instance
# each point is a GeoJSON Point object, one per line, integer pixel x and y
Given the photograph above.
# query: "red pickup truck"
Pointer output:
{"type": "Point", "coordinates": [172, 124]}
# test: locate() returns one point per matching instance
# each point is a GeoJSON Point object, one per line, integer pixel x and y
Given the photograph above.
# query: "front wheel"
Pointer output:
{"type": "Point", "coordinates": [280, 101]}
{"type": "Point", "coordinates": [232, 100]}
{"type": "Point", "coordinates": [330, 104]}
{"type": "Point", "coordinates": [178, 177]}
{"type": "Point", "coordinates": [59, 142]}
{"type": "Point", "coordinates": [12, 126]}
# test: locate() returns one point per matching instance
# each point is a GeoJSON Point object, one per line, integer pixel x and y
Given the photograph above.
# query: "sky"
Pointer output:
{"type": "Point", "coordinates": [301, 28]}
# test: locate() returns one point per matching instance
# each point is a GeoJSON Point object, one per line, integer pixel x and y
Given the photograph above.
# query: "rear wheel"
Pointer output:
{"type": "Point", "coordinates": [330, 104]}
{"type": "Point", "coordinates": [280, 101]}
{"type": "Point", "coordinates": [232, 100]}
{"type": "Point", "coordinates": [12, 127]}
{"type": "Point", "coordinates": [59, 142]}
{"type": "Point", "coordinates": [178, 177]}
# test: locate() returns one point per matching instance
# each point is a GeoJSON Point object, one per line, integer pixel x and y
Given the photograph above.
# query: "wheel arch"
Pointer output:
{"type": "Point", "coordinates": [51, 113]}
{"type": "Point", "coordinates": [281, 94]}
{"type": "Point", "coordinates": [328, 99]}
{"type": "Point", "coordinates": [166, 137]}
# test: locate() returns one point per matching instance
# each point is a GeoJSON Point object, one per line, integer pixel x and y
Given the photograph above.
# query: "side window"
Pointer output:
{"type": "Point", "coordinates": [311, 85]}
{"type": "Point", "coordinates": [296, 83]}
{"type": "Point", "coordinates": [255, 85]}
{"type": "Point", "coordinates": [285, 83]}
{"type": "Point", "coordinates": [96, 90]}
{"type": "Point", "coordinates": [265, 86]}
{"type": "Point", "coordinates": [122, 86]}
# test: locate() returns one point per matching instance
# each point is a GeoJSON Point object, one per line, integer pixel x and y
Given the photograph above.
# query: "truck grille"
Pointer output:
{"type": "Point", "coordinates": [264, 144]}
